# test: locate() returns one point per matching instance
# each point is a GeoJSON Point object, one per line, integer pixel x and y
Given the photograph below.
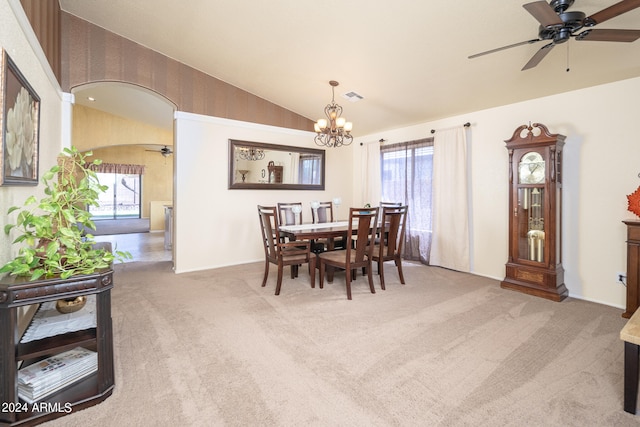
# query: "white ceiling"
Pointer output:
{"type": "Point", "coordinates": [407, 58]}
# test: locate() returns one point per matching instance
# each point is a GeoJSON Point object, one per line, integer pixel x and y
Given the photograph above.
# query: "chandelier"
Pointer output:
{"type": "Point", "coordinates": [253, 154]}
{"type": "Point", "coordinates": [334, 131]}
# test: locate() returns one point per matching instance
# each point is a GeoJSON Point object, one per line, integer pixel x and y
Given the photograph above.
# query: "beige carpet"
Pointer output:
{"type": "Point", "coordinates": [213, 348]}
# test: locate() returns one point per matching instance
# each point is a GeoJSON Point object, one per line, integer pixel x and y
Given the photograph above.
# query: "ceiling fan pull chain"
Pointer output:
{"type": "Point", "coordinates": [568, 57]}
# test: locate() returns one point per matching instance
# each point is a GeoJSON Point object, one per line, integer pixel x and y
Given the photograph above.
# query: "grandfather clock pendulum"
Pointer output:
{"type": "Point", "coordinates": [535, 211]}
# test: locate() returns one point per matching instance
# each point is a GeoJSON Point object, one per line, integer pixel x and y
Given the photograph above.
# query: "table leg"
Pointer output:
{"type": "Point", "coordinates": [330, 270]}
{"type": "Point", "coordinates": [631, 362]}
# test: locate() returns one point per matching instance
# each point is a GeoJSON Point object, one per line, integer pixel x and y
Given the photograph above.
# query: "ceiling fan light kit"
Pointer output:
{"type": "Point", "coordinates": [558, 25]}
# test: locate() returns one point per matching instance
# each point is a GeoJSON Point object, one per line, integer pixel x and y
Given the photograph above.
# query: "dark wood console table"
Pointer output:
{"type": "Point", "coordinates": [16, 293]}
{"type": "Point", "coordinates": [633, 267]}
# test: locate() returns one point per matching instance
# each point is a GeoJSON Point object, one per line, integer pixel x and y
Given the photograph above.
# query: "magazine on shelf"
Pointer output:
{"type": "Point", "coordinates": [54, 373]}
{"type": "Point", "coordinates": [48, 322]}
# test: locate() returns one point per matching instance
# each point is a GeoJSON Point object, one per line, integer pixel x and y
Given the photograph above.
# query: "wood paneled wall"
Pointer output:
{"type": "Point", "coordinates": [45, 19]}
{"type": "Point", "coordinates": [92, 54]}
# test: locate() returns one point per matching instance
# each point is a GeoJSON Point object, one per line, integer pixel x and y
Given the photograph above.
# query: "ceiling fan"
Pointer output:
{"type": "Point", "coordinates": [558, 25]}
{"type": "Point", "coordinates": [165, 151]}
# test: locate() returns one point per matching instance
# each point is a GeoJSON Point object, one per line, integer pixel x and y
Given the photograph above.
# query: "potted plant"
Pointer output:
{"type": "Point", "coordinates": [54, 228]}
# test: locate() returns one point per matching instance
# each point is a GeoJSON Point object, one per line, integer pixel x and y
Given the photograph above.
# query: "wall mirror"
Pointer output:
{"type": "Point", "coordinates": [256, 165]}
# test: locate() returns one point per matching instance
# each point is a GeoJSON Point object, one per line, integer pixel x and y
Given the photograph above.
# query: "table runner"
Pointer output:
{"type": "Point", "coordinates": [313, 226]}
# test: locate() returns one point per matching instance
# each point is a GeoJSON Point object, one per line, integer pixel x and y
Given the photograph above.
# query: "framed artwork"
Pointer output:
{"type": "Point", "coordinates": [19, 124]}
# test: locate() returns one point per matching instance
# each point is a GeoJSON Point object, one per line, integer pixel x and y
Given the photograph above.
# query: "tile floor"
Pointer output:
{"type": "Point", "coordinates": [142, 246]}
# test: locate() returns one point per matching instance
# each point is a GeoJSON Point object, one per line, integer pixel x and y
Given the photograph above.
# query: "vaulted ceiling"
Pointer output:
{"type": "Point", "coordinates": [408, 59]}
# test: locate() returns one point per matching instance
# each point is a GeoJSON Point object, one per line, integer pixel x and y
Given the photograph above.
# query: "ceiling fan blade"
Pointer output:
{"type": "Point", "coordinates": [611, 12]}
{"type": "Point", "coordinates": [544, 13]}
{"type": "Point", "coordinates": [539, 56]}
{"type": "Point", "coordinates": [504, 47]}
{"type": "Point", "coordinates": [609, 35]}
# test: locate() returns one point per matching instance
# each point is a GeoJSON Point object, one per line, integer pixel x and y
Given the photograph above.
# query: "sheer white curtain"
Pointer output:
{"type": "Point", "coordinates": [294, 167]}
{"type": "Point", "coordinates": [406, 178]}
{"type": "Point", "coordinates": [450, 245]}
{"type": "Point", "coordinates": [371, 187]}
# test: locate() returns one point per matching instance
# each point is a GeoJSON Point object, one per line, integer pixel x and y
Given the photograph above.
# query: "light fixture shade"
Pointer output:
{"type": "Point", "coordinates": [348, 127]}
{"type": "Point", "coordinates": [322, 123]}
{"type": "Point", "coordinates": [340, 121]}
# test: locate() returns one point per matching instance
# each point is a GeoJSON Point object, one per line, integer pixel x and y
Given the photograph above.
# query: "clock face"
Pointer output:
{"type": "Point", "coordinates": [531, 168]}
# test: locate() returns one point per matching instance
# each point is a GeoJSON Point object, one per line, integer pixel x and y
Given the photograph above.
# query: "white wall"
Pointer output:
{"type": "Point", "coordinates": [19, 41]}
{"type": "Point", "coordinates": [601, 166]}
{"type": "Point", "coordinates": [215, 226]}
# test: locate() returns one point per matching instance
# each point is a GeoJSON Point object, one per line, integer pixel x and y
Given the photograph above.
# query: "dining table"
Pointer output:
{"type": "Point", "coordinates": [313, 232]}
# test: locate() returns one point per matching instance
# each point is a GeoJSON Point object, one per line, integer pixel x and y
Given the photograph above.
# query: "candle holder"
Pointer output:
{"type": "Point", "coordinates": [337, 201]}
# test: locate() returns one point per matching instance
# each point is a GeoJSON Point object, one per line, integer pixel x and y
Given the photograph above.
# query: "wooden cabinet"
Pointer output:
{"type": "Point", "coordinates": [275, 173]}
{"type": "Point", "coordinates": [535, 202]}
{"type": "Point", "coordinates": [17, 293]}
{"type": "Point", "coordinates": [633, 267]}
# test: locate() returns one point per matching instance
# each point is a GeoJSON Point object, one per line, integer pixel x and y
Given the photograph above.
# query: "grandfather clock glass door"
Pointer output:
{"type": "Point", "coordinates": [535, 202]}
{"type": "Point", "coordinates": [531, 207]}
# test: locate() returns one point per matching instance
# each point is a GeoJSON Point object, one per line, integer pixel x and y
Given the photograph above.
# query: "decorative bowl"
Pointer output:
{"type": "Point", "coordinates": [71, 305]}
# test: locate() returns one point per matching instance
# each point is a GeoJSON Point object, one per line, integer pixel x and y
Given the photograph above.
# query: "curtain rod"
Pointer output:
{"type": "Point", "coordinates": [465, 125]}
{"type": "Point", "coordinates": [370, 142]}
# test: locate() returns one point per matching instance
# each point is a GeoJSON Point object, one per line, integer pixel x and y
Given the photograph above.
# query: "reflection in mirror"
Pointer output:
{"type": "Point", "coordinates": [255, 165]}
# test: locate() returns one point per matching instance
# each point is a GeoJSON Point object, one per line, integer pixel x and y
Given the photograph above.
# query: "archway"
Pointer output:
{"type": "Point", "coordinates": [126, 124]}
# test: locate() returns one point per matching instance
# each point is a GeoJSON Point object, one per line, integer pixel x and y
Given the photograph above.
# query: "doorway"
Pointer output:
{"type": "Point", "coordinates": [127, 126]}
{"type": "Point", "coordinates": [121, 199]}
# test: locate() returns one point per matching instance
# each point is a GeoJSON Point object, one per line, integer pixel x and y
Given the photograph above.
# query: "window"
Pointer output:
{"type": "Point", "coordinates": [122, 198]}
{"type": "Point", "coordinates": [406, 170]}
{"type": "Point", "coordinates": [309, 171]}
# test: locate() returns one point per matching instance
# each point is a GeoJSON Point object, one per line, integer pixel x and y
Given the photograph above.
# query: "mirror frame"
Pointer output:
{"type": "Point", "coordinates": [233, 143]}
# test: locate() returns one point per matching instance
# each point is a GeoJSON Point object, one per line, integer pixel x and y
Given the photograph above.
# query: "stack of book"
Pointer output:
{"type": "Point", "coordinates": [50, 375]}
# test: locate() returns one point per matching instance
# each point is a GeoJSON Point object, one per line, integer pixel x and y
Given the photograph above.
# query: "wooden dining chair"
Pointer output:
{"type": "Point", "coordinates": [390, 204]}
{"type": "Point", "coordinates": [281, 253]}
{"type": "Point", "coordinates": [391, 240]}
{"type": "Point", "coordinates": [323, 213]}
{"type": "Point", "coordinates": [290, 213]}
{"type": "Point", "coordinates": [362, 223]}
{"type": "Point", "coordinates": [320, 215]}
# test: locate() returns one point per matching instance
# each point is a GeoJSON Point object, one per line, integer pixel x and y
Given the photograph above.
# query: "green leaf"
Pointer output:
{"type": "Point", "coordinates": [66, 274]}
{"type": "Point", "coordinates": [52, 249]}
{"type": "Point", "coordinates": [37, 273]}
{"type": "Point", "coordinates": [49, 175]}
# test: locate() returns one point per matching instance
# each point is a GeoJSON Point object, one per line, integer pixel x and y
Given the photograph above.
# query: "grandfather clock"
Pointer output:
{"type": "Point", "coordinates": [535, 211]}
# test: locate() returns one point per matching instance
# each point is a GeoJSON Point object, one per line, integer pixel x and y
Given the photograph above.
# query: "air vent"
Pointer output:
{"type": "Point", "coordinates": [353, 96]}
